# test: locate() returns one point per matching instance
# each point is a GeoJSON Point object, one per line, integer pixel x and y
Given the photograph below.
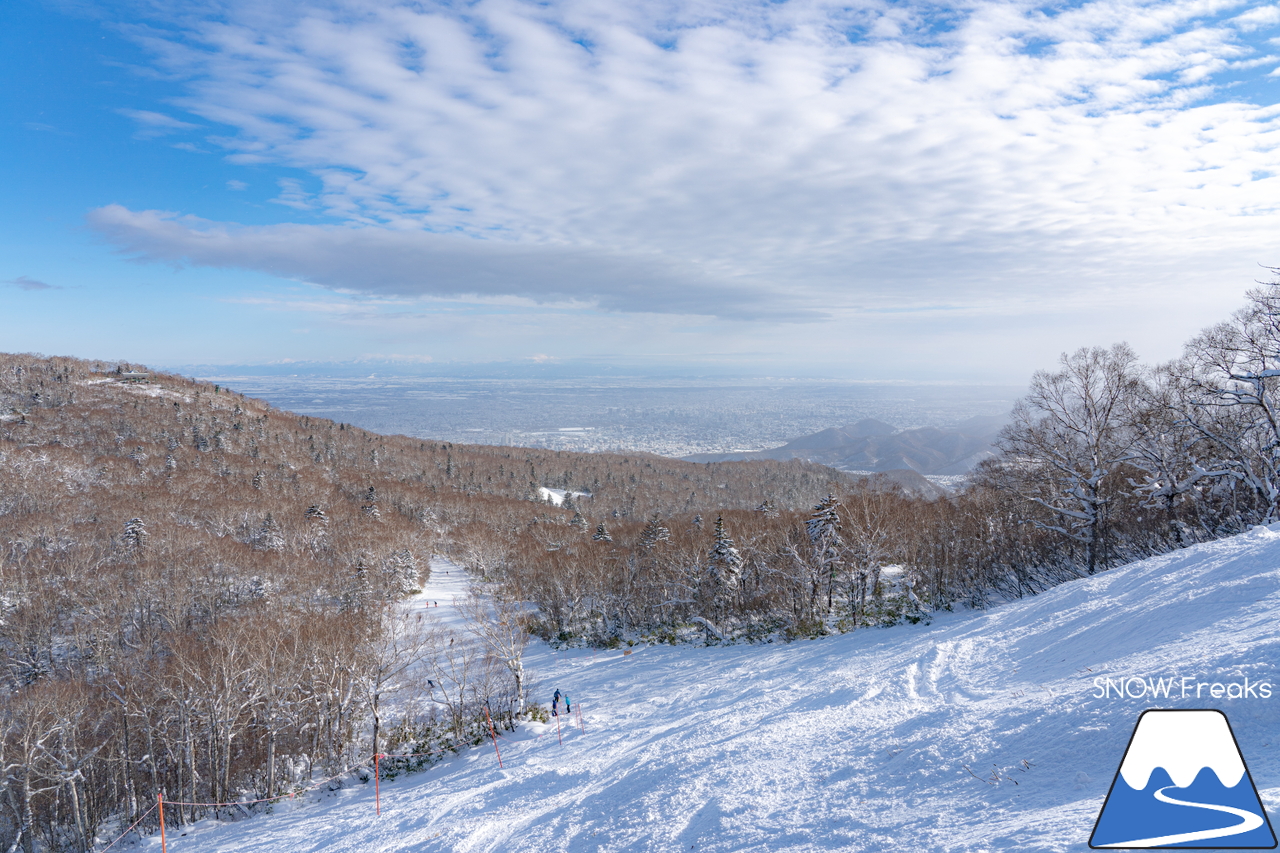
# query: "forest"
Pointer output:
{"type": "Point", "coordinates": [198, 592]}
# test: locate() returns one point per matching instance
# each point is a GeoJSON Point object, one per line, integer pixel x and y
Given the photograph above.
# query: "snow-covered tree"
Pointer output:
{"type": "Point", "coordinates": [269, 537]}
{"type": "Point", "coordinates": [1067, 439]}
{"type": "Point", "coordinates": [135, 534]}
{"type": "Point", "coordinates": [654, 532]}
{"type": "Point", "coordinates": [823, 528]}
{"type": "Point", "coordinates": [401, 570]}
{"type": "Point", "coordinates": [601, 534]}
{"type": "Point", "coordinates": [370, 507]}
{"type": "Point", "coordinates": [724, 563]}
{"type": "Point", "coordinates": [1229, 392]}
{"type": "Point", "coordinates": [1178, 464]}
{"type": "Point", "coordinates": [360, 588]}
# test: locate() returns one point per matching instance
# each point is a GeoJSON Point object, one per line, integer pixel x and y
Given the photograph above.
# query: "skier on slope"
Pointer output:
{"type": "Point", "coordinates": [555, 704]}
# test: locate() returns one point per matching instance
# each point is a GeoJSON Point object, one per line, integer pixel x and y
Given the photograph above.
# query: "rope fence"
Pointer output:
{"type": "Point", "coordinates": [374, 762]}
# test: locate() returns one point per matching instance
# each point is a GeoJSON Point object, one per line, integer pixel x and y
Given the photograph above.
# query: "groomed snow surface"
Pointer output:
{"type": "Point", "coordinates": [901, 739]}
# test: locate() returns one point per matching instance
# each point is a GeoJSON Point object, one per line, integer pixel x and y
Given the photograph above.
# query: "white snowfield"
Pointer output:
{"type": "Point", "coordinates": [980, 732]}
{"type": "Point", "coordinates": [556, 496]}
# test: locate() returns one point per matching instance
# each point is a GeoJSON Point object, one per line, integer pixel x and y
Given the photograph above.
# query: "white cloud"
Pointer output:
{"type": "Point", "coordinates": [1261, 16]}
{"type": "Point", "coordinates": [153, 124]}
{"type": "Point", "coordinates": [739, 159]}
{"type": "Point", "coordinates": [293, 194]}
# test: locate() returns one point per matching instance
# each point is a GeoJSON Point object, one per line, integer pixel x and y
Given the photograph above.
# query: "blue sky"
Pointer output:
{"type": "Point", "coordinates": [879, 190]}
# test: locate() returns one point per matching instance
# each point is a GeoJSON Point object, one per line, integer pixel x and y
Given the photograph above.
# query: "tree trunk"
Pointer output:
{"type": "Point", "coordinates": [271, 759]}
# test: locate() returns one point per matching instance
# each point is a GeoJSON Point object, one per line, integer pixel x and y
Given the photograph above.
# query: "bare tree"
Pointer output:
{"type": "Point", "coordinates": [501, 624]}
{"type": "Point", "coordinates": [1174, 460]}
{"type": "Point", "coordinates": [872, 534]}
{"type": "Point", "coordinates": [1067, 439]}
{"type": "Point", "coordinates": [394, 645]}
{"type": "Point", "coordinates": [1228, 390]}
{"type": "Point", "coordinates": [28, 725]}
{"type": "Point", "coordinates": [455, 664]}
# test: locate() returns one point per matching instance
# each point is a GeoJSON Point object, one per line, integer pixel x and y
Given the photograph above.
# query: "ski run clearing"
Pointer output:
{"type": "Point", "coordinates": [903, 739]}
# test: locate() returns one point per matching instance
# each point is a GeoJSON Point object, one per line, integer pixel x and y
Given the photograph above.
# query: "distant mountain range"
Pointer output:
{"type": "Point", "coordinates": [873, 445]}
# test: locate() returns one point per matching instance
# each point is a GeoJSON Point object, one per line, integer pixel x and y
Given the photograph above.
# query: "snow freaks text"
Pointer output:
{"type": "Point", "coordinates": [1178, 688]}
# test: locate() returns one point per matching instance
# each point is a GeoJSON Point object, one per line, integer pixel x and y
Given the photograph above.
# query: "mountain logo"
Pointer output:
{"type": "Point", "coordinates": [1183, 784]}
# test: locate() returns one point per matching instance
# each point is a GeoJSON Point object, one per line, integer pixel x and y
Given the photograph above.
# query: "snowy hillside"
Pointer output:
{"type": "Point", "coordinates": [910, 738]}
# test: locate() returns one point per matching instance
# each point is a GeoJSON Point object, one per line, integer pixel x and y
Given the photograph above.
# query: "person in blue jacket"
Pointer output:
{"type": "Point", "coordinates": [555, 704]}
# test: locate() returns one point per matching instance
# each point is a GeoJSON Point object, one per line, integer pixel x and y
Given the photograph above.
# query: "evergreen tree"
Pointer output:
{"type": "Point", "coordinates": [317, 524]}
{"type": "Point", "coordinates": [768, 509]}
{"type": "Point", "coordinates": [370, 507]}
{"type": "Point", "coordinates": [601, 534]}
{"type": "Point", "coordinates": [653, 533]}
{"type": "Point", "coordinates": [401, 570]}
{"type": "Point", "coordinates": [823, 528]}
{"type": "Point", "coordinates": [361, 588]}
{"type": "Point", "coordinates": [724, 565]}
{"type": "Point", "coordinates": [269, 535]}
{"type": "Point", "coordinates": [135, 534]}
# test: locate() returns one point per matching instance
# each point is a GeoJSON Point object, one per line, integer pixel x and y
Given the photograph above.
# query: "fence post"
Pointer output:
{"type": "Point", "coordinates": [377, 780]}
{"type": "Point", "coordinates": [581, 725]}
{"type": "Point", "coordinates": [494, 735]}
{"type": "Point", "coordinates": [164, 847]}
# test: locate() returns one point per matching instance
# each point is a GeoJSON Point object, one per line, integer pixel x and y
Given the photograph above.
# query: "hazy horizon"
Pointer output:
{"type": "Point", "coordinates": [671, 416]}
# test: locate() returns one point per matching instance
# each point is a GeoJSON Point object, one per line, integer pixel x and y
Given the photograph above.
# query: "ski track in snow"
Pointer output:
{"type": "Point", "coordinates": [857, 742]}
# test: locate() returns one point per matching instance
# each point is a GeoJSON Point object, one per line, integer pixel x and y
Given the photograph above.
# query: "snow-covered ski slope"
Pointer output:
{"type": "Point", "coordinates": [857, 742]}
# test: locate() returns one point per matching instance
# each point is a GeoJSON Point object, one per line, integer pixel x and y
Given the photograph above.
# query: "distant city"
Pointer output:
{"type": "Point", "coordinates": [666, 416]}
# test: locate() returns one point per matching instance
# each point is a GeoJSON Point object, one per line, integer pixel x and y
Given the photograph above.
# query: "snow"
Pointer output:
{"type": "Point", "coordinates": [149, 390]}
{"type": "Point", "coordinates": [442, 594]}
{"type": "Point", "coordinates": [979, 732]}
{"type": "Point", "coordinates": [556, 496]}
